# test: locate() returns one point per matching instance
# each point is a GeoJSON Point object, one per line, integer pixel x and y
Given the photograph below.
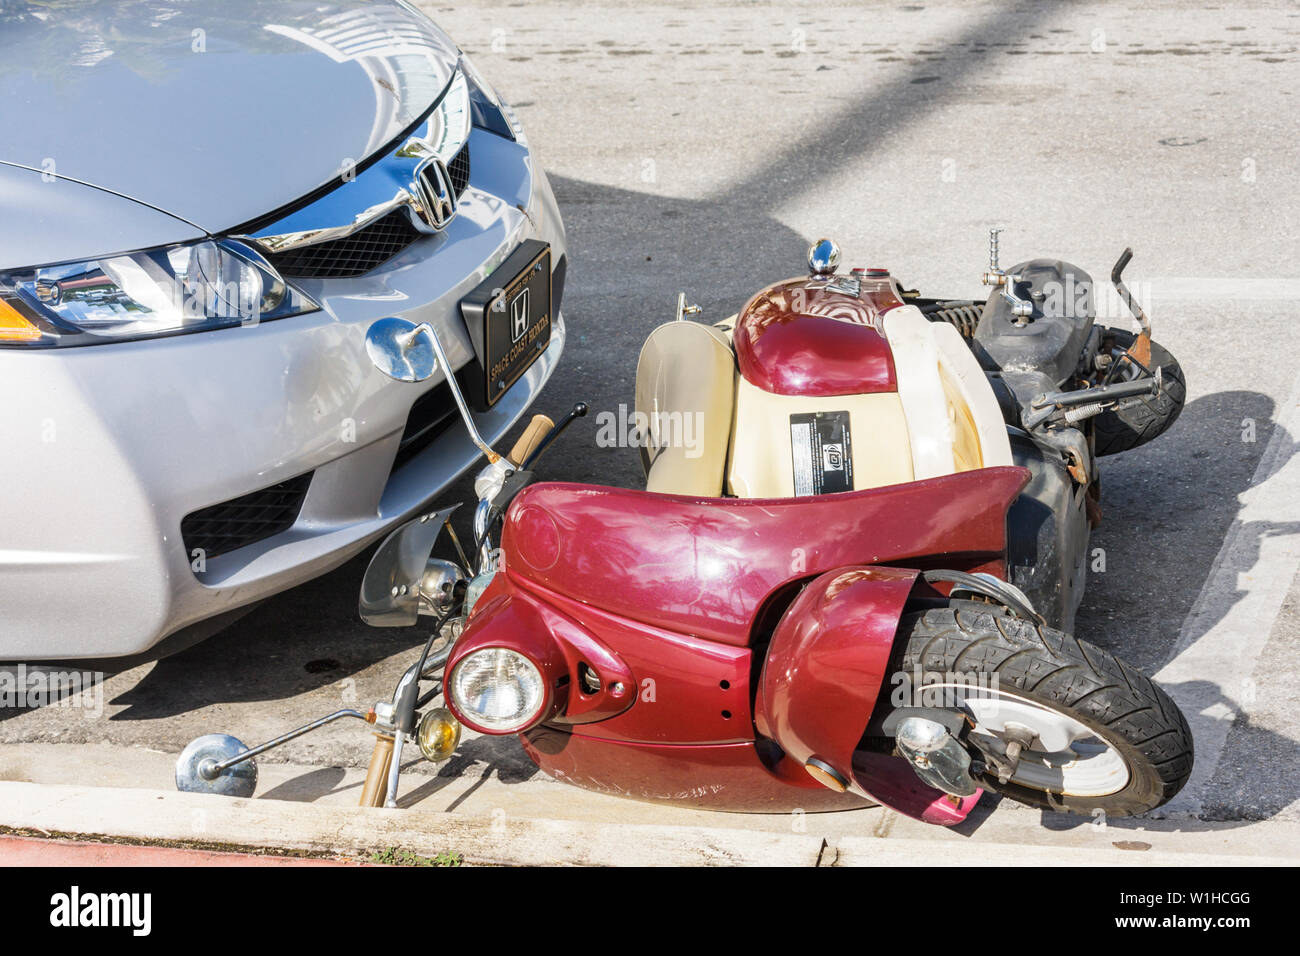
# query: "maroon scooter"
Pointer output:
{"type": "Point", "coordinates": [809, 607]}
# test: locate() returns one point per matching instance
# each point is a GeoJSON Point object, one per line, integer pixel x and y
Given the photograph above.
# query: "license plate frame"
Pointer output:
{"type": "Point", "coordinates": [510, 321]}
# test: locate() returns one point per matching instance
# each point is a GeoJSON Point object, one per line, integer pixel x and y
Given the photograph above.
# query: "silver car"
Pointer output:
{"type": "Point", "coordinates": [205, 205]}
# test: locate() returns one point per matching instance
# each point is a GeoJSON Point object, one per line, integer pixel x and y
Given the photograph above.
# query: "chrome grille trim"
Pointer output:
{"type": "Point", "coordinates": [380, 189]}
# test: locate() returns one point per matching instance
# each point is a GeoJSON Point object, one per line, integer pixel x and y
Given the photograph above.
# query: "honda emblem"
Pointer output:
{"type": "Point", "coordinates": [519, 318]}
{"type": "Point", "coordinates": [432, 196]}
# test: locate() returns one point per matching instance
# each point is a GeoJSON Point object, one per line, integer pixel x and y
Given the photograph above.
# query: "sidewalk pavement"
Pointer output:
{"type": "Point", "coordinates": [484, 820]}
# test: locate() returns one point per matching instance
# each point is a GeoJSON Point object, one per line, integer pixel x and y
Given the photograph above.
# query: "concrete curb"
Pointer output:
{"type": "Point", "coordinates": [215, 822]}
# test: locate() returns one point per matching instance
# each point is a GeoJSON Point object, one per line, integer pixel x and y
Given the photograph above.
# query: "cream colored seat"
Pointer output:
{"type": "Point", "coordinates": [685, 393]}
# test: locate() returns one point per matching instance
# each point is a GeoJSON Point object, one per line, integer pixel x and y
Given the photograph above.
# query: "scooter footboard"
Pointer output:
{"type": "Point", "coordinates": [826, 666]}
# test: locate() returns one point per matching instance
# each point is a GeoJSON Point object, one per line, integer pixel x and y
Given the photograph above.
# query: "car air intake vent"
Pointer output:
{"type": "Point", "coordinates": [433, 413]}
{"type": "Point", "coordinates": [367, 248]}
{"type": "Point", "coordinates": [242, 521]}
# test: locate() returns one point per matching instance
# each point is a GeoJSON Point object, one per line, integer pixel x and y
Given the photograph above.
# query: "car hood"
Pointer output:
{"type": "Point", "coordinates": [217, 112]}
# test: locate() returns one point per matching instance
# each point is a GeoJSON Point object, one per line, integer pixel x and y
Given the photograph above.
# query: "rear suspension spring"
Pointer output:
{"type": "Point", "coordinates": [964, 317]}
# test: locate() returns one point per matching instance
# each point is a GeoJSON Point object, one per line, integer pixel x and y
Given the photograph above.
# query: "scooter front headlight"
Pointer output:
{"type": "Point", "coordinates": [498, 689]}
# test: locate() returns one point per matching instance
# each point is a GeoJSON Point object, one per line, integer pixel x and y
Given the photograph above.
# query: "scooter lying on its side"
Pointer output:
{"type": "Point", "coordinates": [852, 586]}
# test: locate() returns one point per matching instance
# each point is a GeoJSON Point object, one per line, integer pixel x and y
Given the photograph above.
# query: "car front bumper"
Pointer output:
{"type": "Point", "coordinates": [108, 448]}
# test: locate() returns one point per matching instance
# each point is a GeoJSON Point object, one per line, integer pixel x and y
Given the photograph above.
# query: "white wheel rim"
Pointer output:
{"type": "Point", "coordinates": [1067, 756]}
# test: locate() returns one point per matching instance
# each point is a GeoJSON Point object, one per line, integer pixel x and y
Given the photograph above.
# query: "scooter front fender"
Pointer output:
{"type": "Point", "coordinates": [826, 666]}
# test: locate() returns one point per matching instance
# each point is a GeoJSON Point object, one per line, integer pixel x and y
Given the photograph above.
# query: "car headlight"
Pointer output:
{"type": "Point", "coordinates": [212, 284]}
{"type": "Point", "coordinates": [487, 110]}
{"type": "Point", "coordinates": [498, 689]}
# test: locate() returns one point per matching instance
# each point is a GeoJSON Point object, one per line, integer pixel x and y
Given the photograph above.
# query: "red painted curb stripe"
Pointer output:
{"type": "Point", "coordinates": [31, 851]}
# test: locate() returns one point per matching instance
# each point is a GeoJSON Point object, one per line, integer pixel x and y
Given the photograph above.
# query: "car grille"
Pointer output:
{"type": "Point", "coordinates": [241, 521]}
{"type": "Point", "coordinates": [367, 248]}
{"type": "Point", "coordinates": [458, 169]}
{"type": "Point", "coordinates": [352, 255]}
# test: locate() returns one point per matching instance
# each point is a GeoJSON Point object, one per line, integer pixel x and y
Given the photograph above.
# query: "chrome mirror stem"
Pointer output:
{"type": "Point", "coordinates": [452, 384]}
{"type": "Point", "coordinates": [394, 771]}
{"type": "Point", "coordinates": [408, 352]}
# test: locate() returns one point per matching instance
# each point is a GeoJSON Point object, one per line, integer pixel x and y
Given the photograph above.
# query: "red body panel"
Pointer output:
{"type": "Point", "coordinates": [660, 593]}
{"type": "Point", "coordinates": [687, 690]}
{"type": "Point", "coordinates": [705, 566]}
{"type": "Point", "coordinates": [674, 683]}
{"type": "Point", "coordinates": [800, 337]}
{"type": "Point", "coordinates": [827, 664]}
{"type": "Point", "coordinates": [828, 660]}
{"type": "Point", "coordinates": [722, 777]}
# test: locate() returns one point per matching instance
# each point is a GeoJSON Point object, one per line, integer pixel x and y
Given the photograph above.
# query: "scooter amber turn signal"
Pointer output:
{"type": "Point", "coordinates": [438, 734]}
{"type": "Point", "coordinates": [826, 775]}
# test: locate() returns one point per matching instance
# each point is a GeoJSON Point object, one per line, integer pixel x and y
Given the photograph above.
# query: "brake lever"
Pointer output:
{"type": "Point", "coordinates": [515, 482]}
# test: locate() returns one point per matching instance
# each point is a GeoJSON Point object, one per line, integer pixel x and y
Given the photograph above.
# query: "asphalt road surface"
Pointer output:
{"type": "Point", "coordinates": [699, 148]}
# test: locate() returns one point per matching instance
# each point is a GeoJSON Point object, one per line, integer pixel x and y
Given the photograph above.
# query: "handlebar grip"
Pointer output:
{"type": "Point", "coordinates": [376, 785]}
{"type": "Point", "coordinates": [537, 429]}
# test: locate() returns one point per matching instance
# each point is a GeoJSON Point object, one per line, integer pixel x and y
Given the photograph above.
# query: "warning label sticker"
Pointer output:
{"type": "Point", "coordinates": [823, 453]}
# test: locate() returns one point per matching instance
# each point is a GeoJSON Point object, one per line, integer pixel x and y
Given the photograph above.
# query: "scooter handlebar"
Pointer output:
{"type": "Point", "coordinates": [533, 435]}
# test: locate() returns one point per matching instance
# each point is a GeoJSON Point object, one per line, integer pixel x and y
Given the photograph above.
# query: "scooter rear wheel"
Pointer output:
{"type": "Point", "coordinates": [1104, 737]}
{"type": "Point", "coordinates": [1142, 419]}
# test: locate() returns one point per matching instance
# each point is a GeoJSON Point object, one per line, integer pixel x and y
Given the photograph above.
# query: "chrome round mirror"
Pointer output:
{"type": "Point", "coordinates": [401, 349]}
{"type": "Point", "coordinates": [823, 257]}
{"type": "Point", "coordinates": [196, 767]}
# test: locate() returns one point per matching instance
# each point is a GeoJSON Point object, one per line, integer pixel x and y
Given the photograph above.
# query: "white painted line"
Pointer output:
{"type": "Point", "coordinates": [1210, 672]}
{"type": "Point", "coordinates": [1224, 288]}
{"type": "Point", "coordinates": [1155, 294]}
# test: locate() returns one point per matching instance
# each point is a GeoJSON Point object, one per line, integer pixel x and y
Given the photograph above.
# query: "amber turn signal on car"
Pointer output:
{"type": "Point", "coordinates": [15, 328]}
